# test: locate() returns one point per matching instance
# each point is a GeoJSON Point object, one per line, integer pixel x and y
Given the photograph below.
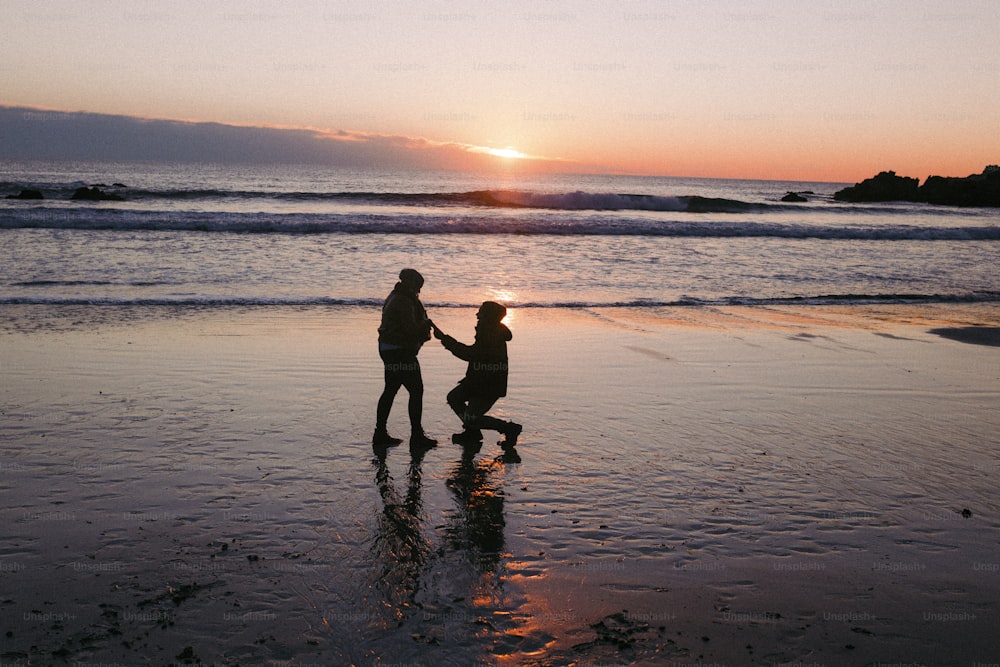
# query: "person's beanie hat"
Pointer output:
{"type": "Point", "coordinates": [493, 311]}
{"type": "Point", "coordinates": [411, 277]}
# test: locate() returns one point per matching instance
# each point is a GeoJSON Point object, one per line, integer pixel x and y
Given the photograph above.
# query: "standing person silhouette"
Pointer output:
{"type": "Point", "coordinates": [404, 329]}
{"type": "Point", "coordinates": [485, 378]}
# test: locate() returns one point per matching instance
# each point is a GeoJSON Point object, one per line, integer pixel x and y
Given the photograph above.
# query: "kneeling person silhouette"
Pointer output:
{"type": "Point", "coordinates": [485, 378]}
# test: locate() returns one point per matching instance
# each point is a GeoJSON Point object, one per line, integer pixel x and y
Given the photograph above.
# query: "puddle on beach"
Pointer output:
{"type": "Point", "coordinates": [205, 490]}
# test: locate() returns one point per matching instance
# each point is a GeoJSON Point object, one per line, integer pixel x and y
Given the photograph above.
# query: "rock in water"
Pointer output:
{"type": "Point", "coordinates": [94, 194]}
{"type": "Point", "coordinates": [886, 186]}
{"type": "Point", "coordinates": [975, 190]}
{"type": "Point", "coordinates": [27, 194]}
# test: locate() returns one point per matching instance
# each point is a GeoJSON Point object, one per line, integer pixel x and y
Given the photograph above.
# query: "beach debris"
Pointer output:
{"type": "Point", "coordinates": [177, 595]}
{"type": "Point", "coordinates": [617, 630]}
{"type": "Point", "coordinates": [188, 657]}
{"type": "Point", "coordinates": [967, 513]}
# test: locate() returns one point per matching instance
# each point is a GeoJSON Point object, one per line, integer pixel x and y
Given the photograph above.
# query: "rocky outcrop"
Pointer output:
{"type": "Point", "coordinates": [886, 186]}
{"type": "Point", "coordinates": [95, 194]}
{"type": "Point", "coordinates": [975, 190]}
{"type": "Point", "coordinates": [794, 197]}
{"type": "Point", "coordinates": [27, 194]}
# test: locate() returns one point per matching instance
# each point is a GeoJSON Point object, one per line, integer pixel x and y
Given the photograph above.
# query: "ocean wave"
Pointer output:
{"type": "Point", "coordinates": [117, 219]}
{"type": "Point", "coordinates": [569, 201]}
{"type": "Point", "coordinates": [497, 199]}
{"type": "Point", "coordinates": [596, 201]}
{"type": "Point", "coordinates": [376, 302]}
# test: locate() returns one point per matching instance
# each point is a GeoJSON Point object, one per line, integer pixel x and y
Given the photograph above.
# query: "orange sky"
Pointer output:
{"type": "Point", "coordinates": [804, 91]}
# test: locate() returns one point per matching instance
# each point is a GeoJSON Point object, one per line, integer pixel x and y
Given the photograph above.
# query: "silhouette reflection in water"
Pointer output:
{"type": "Point", "coordinates": [441, 584]}
{"type": "Point", "coordinates": [401, 548]}
{"type": "Point", "coordinates": [476, 526]}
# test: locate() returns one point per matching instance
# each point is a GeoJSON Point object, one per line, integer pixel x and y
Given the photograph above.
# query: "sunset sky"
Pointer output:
{"type": "Point", "coordinates": [797, 90]}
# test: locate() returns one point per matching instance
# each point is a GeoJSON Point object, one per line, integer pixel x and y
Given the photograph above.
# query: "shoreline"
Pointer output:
{"type": "Point", "coordinates": [740, 485]}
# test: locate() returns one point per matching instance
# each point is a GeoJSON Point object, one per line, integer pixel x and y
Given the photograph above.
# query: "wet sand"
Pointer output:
{"type": "Point", "coordinates": [734, 486]}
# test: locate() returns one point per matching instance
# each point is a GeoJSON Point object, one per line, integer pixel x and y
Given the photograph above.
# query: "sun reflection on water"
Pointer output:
{"type": "Point", "coordinates": [506, 297]}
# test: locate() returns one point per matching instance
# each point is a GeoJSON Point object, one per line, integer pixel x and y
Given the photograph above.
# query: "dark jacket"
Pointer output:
{"type": "Point", "coordinates": [404, 320]}
{"type": "Point", "coordinates": [486, 374]}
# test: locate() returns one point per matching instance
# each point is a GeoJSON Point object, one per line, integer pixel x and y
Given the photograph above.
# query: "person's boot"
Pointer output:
{"type": "Point", "coordinates": [383, 439]}
{"type": "Point", "coordinates": [510, 433]}
{"type": "Point", "coordinates": [419, 440]}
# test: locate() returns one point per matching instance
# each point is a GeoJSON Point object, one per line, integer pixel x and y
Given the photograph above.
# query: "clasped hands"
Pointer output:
{"type": "Point", "coordinates": [437, 332]}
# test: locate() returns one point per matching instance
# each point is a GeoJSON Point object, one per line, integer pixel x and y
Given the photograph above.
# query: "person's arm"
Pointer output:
{"type": "Point", "coordinates": [460, 350]}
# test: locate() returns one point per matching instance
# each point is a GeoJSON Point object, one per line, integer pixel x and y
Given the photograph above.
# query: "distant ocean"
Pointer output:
{"type": "Point", "coordinates": [222, 235]}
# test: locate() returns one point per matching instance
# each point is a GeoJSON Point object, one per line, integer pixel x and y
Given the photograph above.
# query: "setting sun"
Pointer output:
{"type": "Point", "coordinates": [506, 152]}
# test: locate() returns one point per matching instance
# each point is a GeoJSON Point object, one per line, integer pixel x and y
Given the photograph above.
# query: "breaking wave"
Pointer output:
{"type": "Point", "coordinates": [570, 201]}
{"type": "Point", "coordinates": [376, 302]}
{"type": "Point", "coordinates": [117, 219]}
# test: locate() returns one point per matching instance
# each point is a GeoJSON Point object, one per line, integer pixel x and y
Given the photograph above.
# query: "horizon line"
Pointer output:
{"type": "Point", "coordinates": [497, 159]}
